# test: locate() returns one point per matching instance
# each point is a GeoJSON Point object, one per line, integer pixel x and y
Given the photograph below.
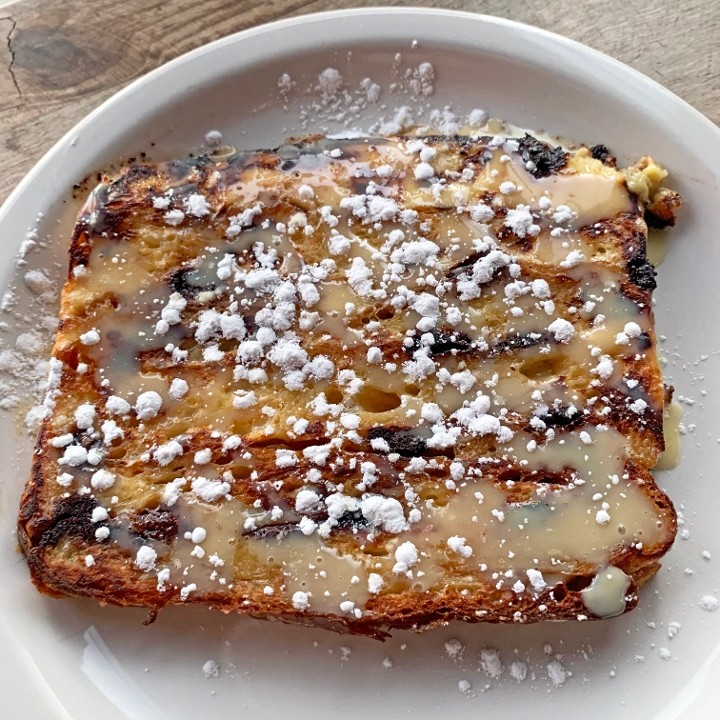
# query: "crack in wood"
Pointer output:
{"type": "Point", "coordinates": [9, 40]}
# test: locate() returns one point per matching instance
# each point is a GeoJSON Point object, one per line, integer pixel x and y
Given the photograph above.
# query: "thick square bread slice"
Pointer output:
{"type": "Point", "coordinates": [362, 384]}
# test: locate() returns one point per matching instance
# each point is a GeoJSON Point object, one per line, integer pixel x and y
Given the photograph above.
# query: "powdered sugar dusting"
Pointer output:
{"type": "Point", "coordinates": [28, 321]}
{"type": "Point", "coordinates": [332, 100]}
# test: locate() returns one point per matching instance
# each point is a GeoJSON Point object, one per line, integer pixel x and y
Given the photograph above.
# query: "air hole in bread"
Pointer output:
{"type": "Point", "coordinates": [375, 550]}
{"type": "Point", "coordinates": [374, 400]}
{"type": "Point", "coordinates": [385, 313]}
{"type": "Point", "coordinates": [578, 582]}
{"type": "Point", "coordinates": [541, 369]}
{"type": "Point", "coordinates": [240, 472]}
{"type": "Point", "coordinates": [333, 396]}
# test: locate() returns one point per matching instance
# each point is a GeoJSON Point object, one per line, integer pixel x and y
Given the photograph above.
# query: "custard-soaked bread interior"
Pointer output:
{"type": "Point", "coordinates": [362, 384]}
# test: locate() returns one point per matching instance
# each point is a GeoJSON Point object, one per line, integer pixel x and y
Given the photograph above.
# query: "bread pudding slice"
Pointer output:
{"type": "Point", "coordinates": [361, 384]}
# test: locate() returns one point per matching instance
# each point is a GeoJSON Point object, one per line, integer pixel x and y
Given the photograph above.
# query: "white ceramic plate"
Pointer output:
{"type": "Point", "coordinates": [71, 659]}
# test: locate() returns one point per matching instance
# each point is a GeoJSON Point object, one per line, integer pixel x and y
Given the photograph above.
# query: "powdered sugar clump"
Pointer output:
{"type": "Point", "coordinates": [557, 673]}
{"type": "Point", "coordinates": [211, 669]}
{"type": "Point", "coordinates": [709, 603]}
{"type": "Point", "coordinates": [422, 79]}
{"type": "Point", "coordinates": [330, 82]}
{"type": "Point", "coordinates": [491, 663]}
{"type": "Point", "coordinates": [454, 648]}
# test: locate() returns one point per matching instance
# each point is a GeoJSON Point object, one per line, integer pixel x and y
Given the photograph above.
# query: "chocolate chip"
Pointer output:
{"type": "Point", "coordinates": [404, 442]}
{"type": "Point", "coordinates": [601, 153]}
{"type": "Point", "coordinates": [545, 160]}
{"type": "Point", "coordinates": [518, 342]}
{"type": "Point", "coordinates": [642, 272]}
{"type": "Point", "coordinates": [444, 342]}
{"type": "Point", "coordinates": [351, 519]}
{"type": "Point", "coordinates": [561, 416]}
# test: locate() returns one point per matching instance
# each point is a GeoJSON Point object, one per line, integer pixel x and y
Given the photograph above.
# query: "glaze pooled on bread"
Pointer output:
{"type": "Point", "coordinates": [362, 384]}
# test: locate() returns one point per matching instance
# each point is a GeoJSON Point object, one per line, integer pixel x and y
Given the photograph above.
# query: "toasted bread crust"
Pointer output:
{"type": "Point", "coordinates": [131, 217]}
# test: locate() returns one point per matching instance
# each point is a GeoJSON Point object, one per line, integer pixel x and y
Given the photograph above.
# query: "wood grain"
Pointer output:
{"type": "Point", "coordinates": [60, 58]}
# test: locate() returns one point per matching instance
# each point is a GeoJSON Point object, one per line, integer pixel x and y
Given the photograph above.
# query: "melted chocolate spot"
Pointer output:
{"type": "Point", "coordinates": [72, 517]}
{"type": "Point", "coordinates": [82, 438]}
{"type": "Point", "coordinates": [445, 342]}
{"type": "Point", "coordinates": [518, 342]}
{"type": "Point", "coordinates": [182, 282]}
{"type": "Point", "coordinates": [561, 416]}
{"type": "Point", "coordinates": [404, 442]}
{"type": "Point", "coordinates": [157, 525]}
{"type": "Point", "coordinates": [656, 222]}
{"type": "Point", "coordinates": [272, 531]}
{"type": "Point", "coordinates": [643, 341]}
{"type": "Point", "coordinates": [352, 519]}
{"type": "Point", "coordinates": [546, 160]}
{"type": "Point", "coordinates": [642, 273]}
{"type": "Point", "coordinates": [601, 153]}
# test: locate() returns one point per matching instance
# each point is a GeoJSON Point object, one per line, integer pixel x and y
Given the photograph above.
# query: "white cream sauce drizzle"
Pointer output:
{"type": "Point", "coordinates": [605, 597]}
{"type": "Point", "coordinates": [670, 456]}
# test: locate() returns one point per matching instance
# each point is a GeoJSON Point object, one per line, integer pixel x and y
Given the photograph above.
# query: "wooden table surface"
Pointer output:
{"type": "Point", "coordinates": [61, 58]}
